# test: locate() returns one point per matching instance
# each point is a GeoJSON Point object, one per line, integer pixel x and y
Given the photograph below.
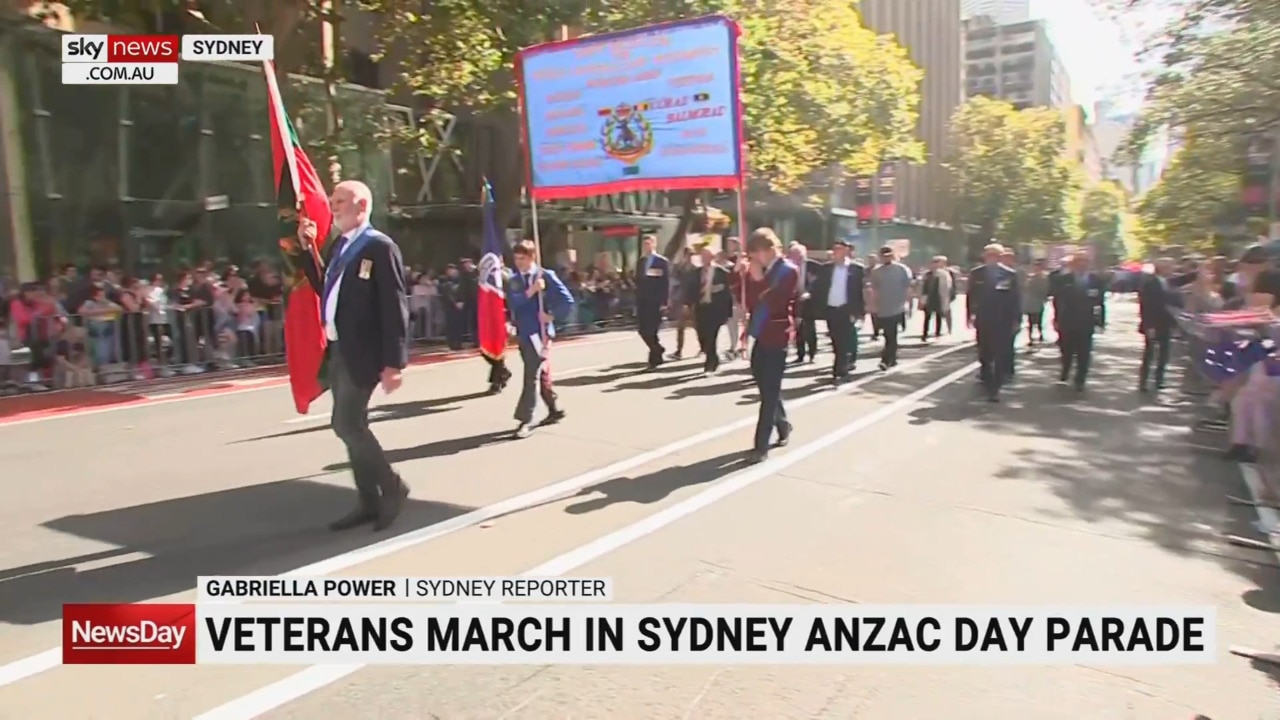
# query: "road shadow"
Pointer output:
{"type": "Point", "coordinates": [614, 374]}
{"type": "Point", "coordinates": [1123, 456]}
{"type": "Point", "coordinates": [384, 413]}
{"type": "Point", "coordinates": [438, 448]}
{"type": "Point", "coordinates": [258, 530]}
{"type": "Point", "coordinates": [657, 380]}
{"type": "Point", "coordinates": [656, 486]}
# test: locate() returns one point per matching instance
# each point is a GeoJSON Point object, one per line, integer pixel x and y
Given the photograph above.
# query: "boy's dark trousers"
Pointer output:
{"type": "Point", "coordinates": [536, 382]}
{"type": "Point", "coordinates": [767, 368]}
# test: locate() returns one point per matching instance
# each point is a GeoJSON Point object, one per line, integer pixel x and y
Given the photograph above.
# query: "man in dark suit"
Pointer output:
{"type": "Point", "coordinates": [712, 303]}
{"type": "Point", "coordinates": [838, 291]}
{"type": "Point", "coordinates": [994, 308]}
{"type": "Point", "coordinates": [1155, 321]}
{"type": "Point", "coordinates": [653, 287]}
{"type": "Point", "coordinates": [771, 286]}
{"type": "Point", "coordinates": [365, 312]}
{"type": "Point", "coordinates": [536, 297]}
{"type": "Point", "coordinates": [806, 306]}
{"type": "Point", "coordinates": [1077, 307]}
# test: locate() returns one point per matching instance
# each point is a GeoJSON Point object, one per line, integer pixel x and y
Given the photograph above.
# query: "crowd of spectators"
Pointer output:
{"type": "Point", "coordinates": [102, 326]}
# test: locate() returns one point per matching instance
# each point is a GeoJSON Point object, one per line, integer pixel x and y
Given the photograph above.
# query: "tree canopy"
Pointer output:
{"type": "Point", "coordinates": [1217, 84]}
{"type": "Point", "coordinates": [1009, 174]}
{"type": "Point", "coordinates": [820, 88]}
{"type": "Point", "coordinates": [1200, 189]}
{"type": "Point", "coordinates": [1104, 208]}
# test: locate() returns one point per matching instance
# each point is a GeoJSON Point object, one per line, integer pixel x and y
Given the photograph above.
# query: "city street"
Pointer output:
{"type": "Point", "coordinates": [899, 488]}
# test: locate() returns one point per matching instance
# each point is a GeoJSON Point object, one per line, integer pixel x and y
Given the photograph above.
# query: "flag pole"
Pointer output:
{"type": "Point", "coordinates": [537, 258]}
{"type": "Point", "coordinates": [282, 123]}
{"type": "Point", "coordinates": [742, 246]}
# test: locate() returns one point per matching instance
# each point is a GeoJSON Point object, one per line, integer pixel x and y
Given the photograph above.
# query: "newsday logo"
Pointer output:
{"type": "Point", "coordinates": [128, 634]}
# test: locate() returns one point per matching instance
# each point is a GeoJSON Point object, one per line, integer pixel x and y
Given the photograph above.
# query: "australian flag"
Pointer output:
{"type": "Point", "coordinates": [492, 301]}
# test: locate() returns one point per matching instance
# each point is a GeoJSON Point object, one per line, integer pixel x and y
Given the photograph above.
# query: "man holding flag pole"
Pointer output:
{"type": "Point", "coordinates": [491, 305]}
{"type": "Point", "coordinates": [352, 336]}
{"type": "Point", "coordinates": [537, 296]}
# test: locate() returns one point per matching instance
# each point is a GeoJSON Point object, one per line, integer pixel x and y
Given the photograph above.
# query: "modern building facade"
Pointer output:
{"type": "Point", "coordinates": [1014, 62]}
{"type": "Point", "coordinates": [1003, 12]}
{"type": "Point", "coordinates": [933, 34]}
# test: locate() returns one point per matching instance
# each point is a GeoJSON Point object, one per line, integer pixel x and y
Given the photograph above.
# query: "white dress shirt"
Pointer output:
{"type": "Point", "coordinates": [331, 307]}
{"type": "Point", "coordinates": [839, 293]}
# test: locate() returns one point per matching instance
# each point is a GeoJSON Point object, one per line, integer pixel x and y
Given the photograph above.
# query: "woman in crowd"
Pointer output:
{"type": "Point", "coordinates": [100, 319]}
{"type": "Point", "coordinates": [133, 327]}
{"type": "Point", "coordinates": [158, 319]}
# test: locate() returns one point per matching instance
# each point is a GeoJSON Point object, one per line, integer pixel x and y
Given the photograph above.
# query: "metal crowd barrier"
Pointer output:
{"type": "Point", "coordinates": [82, 350]}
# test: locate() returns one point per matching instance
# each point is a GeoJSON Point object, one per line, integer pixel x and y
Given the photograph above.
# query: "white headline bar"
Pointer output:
{"type": "Point", "coordinates": [120, 74]}
{"type": "Point", "coordinates": [402, 589]}
{"type": "Point", "coordinates": [495, 634]}
{"type": "Point", "coordinates": [228, 48]}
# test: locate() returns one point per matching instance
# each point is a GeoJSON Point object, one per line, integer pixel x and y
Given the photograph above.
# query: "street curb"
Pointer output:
{"type": "Point", "coordinates": [57, 403]}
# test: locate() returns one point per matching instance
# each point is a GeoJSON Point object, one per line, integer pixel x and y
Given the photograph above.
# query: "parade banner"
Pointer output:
{"type": "Point", "coordinates": [652, 108]}
{"type": "Point", "coordinates": [298, 192]}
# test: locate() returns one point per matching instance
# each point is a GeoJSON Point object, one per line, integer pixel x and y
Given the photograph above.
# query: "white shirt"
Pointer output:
{"type": "Point", "coordinates": [839, 293]}
{"type": "Point", "coordinates": [331, 307]}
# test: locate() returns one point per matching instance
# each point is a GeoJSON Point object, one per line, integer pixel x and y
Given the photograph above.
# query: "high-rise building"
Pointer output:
{"type": "Point", "coordinates": [932, 33]}
{"type": "Point", "coordinates": [1014, 62]}
{"type": "Point", "coordinates": [1003, 12]}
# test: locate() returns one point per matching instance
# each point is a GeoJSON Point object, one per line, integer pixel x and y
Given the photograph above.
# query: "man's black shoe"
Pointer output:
{"type": "Point", "coordinates": [784, 435]}
{"type": "Point", "coordinates": [391, 507]}
{"type": "Point", "coordinates": [554, 417]}
{"type": "Point", "coordinates": [353, 519]}
{"type": "Point", "coordinates": [755, 457]}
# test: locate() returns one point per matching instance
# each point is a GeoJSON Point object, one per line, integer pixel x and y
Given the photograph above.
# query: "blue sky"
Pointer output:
{"type": "Point", "coordinates": [1099, 52]}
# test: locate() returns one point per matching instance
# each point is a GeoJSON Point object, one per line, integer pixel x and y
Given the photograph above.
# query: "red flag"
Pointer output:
{"type": "Point", "coordinates": [491, 305]}
{"type": "Point", "coordinates": [298, 192]}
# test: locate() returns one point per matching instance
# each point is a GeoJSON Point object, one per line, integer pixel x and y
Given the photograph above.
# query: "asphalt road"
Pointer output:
{"type": "Point", "coordinates": [901, 489]}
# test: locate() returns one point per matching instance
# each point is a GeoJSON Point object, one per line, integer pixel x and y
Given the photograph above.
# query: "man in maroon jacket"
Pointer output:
{"type": "Point", "coordinates": [770, 299]}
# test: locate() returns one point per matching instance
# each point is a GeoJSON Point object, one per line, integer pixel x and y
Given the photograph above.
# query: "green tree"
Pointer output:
{"type": "Point", "coordinates": [1198, 191]}
{"type": "Point", "coordinates": [821, 91]}
{"type": "Point", "coordinates": [1103, 209]}
{"type": "Point", "coordinates": [1009, 174]}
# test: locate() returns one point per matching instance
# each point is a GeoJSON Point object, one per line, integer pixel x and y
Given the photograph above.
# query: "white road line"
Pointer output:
{"type": "Point", "coordinates": [21, 669]}
{"type": "Point", "coordinates": [168, 398]}
{"type": "Point", "coordinates": [300, 684]}
{"type": "Point", "coordinates": [1268, 517]}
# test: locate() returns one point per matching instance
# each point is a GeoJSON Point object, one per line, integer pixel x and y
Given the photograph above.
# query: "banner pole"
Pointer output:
{"type": "Point", "coordinates": [742, 247]}
{"type": "Point", "coordinates": [537, 258]}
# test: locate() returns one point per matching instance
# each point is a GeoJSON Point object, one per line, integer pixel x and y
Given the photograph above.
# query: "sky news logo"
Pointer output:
{"type": "Point", "coordinates": [128, 634]}
{"type": "Point", "coordinates": [166, 48]}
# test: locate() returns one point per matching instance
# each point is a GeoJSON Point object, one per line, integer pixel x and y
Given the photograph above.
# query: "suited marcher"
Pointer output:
{"type": "Point", "coordinates": [771, 292]}
{"type": "Point", "coordinates": [365, 312]}
{"type": "Point", "coordinates": [712, 304]}
{"type": "Point", "coordinates": [838, 291]}
{"type": "Point", "coordinates": [1155, 321]}
{"type": "Point", "coordinates": [1077, 306]}
{"type": "Point", "coordinates": [452, 298]}
{"type": "Point", "coordinates": [653, 287]}
{"type": "Point", "coordinates": [936, 292]}
{"type": "Point", "coordinates": [806, 307]}
{"type": "Point", "coordinates": [535, 327]}
{"type": "Point", "coordinates": [994, 308]}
